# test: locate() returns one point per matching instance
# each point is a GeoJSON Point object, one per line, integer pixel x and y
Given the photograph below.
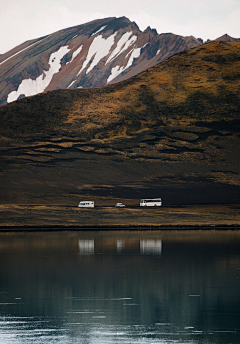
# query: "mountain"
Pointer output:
{"type": "Point", "coordinates": [95, 54]}
{"type": "Point", "coordinates": [171, 131]}
{"type": "Point", "coordinates": [227, 38]}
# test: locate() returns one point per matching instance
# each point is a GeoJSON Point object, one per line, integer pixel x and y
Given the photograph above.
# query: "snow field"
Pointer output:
{"type": "Point", "coordinates": [122, 45]}
{"type": "Point", "coordinates": [134, 53]}
{"type": "Point", "coordinates": [75, 53]}
{"type": "Point", "coordinates": [99, 48]}
{"type": "Point", "coordinates": [30, 87]}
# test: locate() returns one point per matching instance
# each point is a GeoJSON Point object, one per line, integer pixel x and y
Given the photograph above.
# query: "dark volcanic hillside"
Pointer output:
{"type": "Point", "coordinates": [171, 131]}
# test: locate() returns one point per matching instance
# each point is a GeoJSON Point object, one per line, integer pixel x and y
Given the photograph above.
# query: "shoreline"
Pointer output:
{"type": "Point", "coordinates": [57, 228]}
{"type": "Point", "coordinates": [16, 218]}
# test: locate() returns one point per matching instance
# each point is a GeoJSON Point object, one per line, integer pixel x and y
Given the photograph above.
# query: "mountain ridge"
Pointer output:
{"type": "Point", "coordinates": [93, 54]}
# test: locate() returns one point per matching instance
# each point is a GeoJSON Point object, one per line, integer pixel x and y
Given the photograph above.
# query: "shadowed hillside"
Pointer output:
{"type": "Point", "coordinates": [171, 131]}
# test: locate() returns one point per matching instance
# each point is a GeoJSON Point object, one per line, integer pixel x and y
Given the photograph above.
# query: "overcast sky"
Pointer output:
{"type": "Point", "coordinates": [22, 20]}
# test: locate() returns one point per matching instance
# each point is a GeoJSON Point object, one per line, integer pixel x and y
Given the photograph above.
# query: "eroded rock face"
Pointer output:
{"type": "Point", "coordinates": [94, 54]}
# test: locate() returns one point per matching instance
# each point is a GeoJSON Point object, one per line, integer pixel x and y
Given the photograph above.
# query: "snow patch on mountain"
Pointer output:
{"type": "Point", "coordinates": [71, 84]}
{"type": "Point", "coordinates": [115, 72]}
{"type": "Point", "coordinates": [103, 27]}
{"type": "Point", "coordinates": [75, 53]}
{"type": "Point", "coordinates": [122, 45]}
{"type": "Point", "coordinates": [134, 53]}
{"type": "Point", "coordinates": [29, 87]}
{"type": "Point", "coordinates": [99, 48]}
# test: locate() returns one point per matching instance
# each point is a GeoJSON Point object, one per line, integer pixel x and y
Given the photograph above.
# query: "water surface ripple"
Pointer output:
{"type": "Point", "coordinates": [120, 287]}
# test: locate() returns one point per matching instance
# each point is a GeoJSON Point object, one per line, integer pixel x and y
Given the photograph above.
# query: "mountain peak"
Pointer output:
{"type": "Point", "coordinates": [93, 54]}
{"type": "Point", "coordinates": [150, 30]}
{"type": "Point", "coordinates": [227, 38]}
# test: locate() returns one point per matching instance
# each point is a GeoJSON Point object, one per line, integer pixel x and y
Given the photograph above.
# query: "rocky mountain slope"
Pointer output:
{"type": "Point", "coordinates": [171, 131]}
{"type": "Point", "coordinates": [95, 54]}
{"type": "Point", "coordinates": [227, 38]}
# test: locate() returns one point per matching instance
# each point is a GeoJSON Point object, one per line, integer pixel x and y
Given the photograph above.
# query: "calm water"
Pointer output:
{"type": "Point", "coordinates": [116, 287]}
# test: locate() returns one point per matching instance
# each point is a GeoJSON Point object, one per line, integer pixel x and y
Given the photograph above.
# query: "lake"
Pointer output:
{"type": "Point", "coordinates": [120, 287]}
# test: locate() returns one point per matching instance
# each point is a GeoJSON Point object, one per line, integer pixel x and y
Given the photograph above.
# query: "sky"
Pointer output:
{"type": "Point", "coordinates": [22, 20]}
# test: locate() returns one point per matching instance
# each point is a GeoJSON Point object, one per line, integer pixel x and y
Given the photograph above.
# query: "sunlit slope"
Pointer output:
{"type": "Point", "coordinates": [173, 127]}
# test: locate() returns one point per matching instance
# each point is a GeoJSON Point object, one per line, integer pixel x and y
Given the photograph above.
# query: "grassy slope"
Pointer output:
{"type": "Point", "coordinates": [171, 131]}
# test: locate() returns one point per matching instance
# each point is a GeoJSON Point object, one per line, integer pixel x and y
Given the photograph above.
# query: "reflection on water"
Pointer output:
{"type": "Point", "coordinates": [146, 246]}
{"type": "Point", "coordinates": [86, 246]}
{"type": "Point", "coordinates": [151, 246]}
{"type": "Point", "coordinates": [120, 245]}
{"type": "Point", "coordinates": [120, 287]}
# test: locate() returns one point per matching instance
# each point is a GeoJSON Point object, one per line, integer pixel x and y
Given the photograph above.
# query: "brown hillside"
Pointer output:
{"type": "Point", "coordinates": [171, 131]}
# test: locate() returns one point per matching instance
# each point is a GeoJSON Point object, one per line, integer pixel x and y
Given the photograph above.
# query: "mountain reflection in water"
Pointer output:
{"type": "Point", "coordinates": [120, 287]}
